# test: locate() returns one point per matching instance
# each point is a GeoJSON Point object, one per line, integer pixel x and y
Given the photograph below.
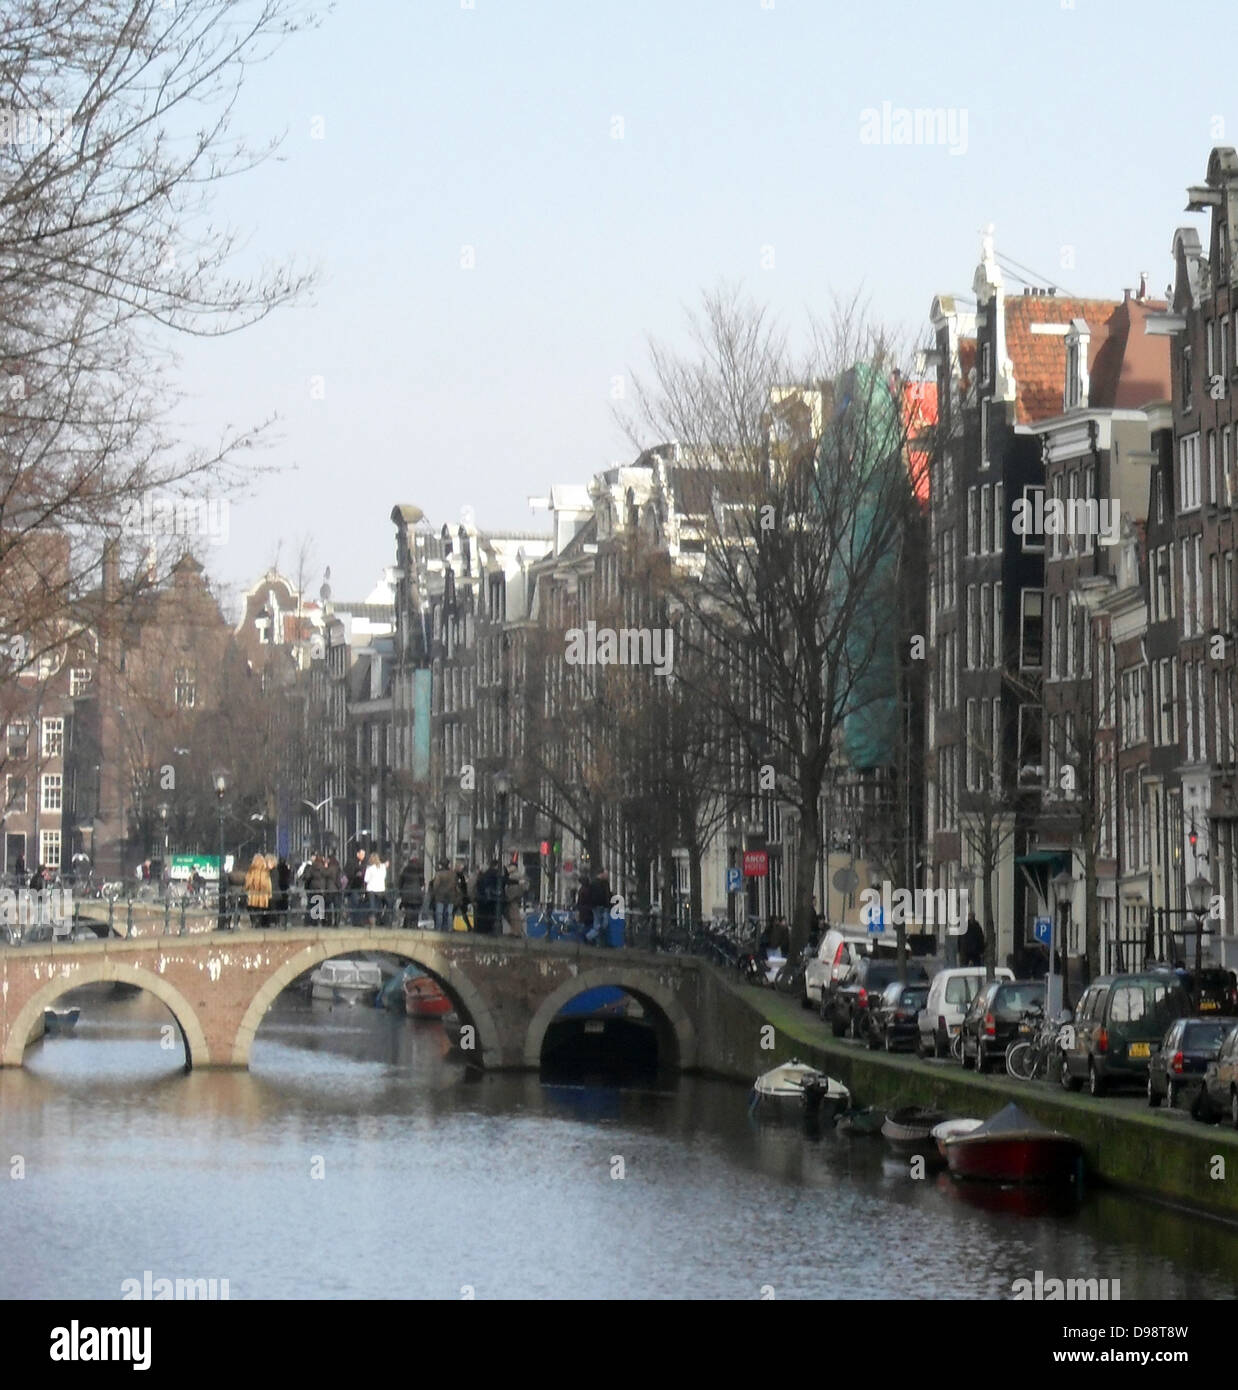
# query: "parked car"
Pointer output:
{"type": "Point", "coordinates": [1119, 1023]}
{"type": "Point", "coordinates": [893, 1014]}
{"type": "Point", "coordinates": [838, 951]}
{"type": "Point", "coordinates": [846, 1007]}
{"type": "Point", "coordinates": [950, 992]}
{"type": "Point", "coordinates": [1219, 1095]}
{"type": "Point", "coordinates": [1217, 992]}
{"type": "Point", "coordinates": [1181, 1063]}
{"type": "Point", "coordinates": [992, 1020]}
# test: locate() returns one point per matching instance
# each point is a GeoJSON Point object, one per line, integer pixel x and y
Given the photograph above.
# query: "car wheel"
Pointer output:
{"type": "Point", "coordinates": [1154, 1098]}
{"type": "Point", "coordinates": [982, 1061]}
{"type": "Point", "coordinates": [963, 1053]}
{"type": "Point", "coordinates": [1069, 1083]}
{"type": "Point", "coordinates": [1096, 1083]}
{"type": "Point", "coordinates": [1171, 1094]}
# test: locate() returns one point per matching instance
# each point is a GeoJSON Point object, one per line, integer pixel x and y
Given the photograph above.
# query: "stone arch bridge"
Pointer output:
{"type": "Point", "coordinates": [219, 986]}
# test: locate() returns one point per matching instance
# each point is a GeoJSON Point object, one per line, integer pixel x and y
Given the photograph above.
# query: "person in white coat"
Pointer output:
{"type": "Point", "coordinates": [376, 888]}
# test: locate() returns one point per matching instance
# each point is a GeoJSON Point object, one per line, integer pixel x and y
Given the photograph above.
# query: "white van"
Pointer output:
{"type": "Point", "coordinates": [839, 950]}
{"type": "Point", "coordinates": [950, 992]}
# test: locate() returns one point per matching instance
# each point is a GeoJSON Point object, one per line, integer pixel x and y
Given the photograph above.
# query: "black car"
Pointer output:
{"type": "Point", "coordinates": [1119, 1024]}
{"type": "Point", "coordinates": [846, 1008]}
{"type": "Point", "coordinates": [1180, 1065]}
{"type": "Point", "coordinates": [1217, 991]}
{"type": "Point", "coordinates": [992, 1020]}
{"type": "Point", "coordinates": [892, 1017]}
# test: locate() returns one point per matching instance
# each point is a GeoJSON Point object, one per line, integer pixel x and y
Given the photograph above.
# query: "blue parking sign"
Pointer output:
{"type": "Point", "coordinates": [876, 922]}
{"type": "Point", "coordinates": [734, 881]}
{"type": "Point", "coordinates": [1043, 930]}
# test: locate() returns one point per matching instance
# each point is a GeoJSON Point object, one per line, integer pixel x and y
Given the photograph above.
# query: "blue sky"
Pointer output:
{"type": "Point", "coordinates": [494, 128]}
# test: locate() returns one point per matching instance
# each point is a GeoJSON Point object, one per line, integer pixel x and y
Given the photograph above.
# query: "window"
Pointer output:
{"type": "Point", "coordinates": [986, 363]}
{"type": "Point", "coordinates": [1223, 344]}
{"type": "Point", "coordinates": [1033, 502]}
{"type": "Point", "coordinates": [19, 739]}
{"type": "Point", "coordinates": [1227, 472]}
{"type": "Point", "coordinates": [1057, 633]}
{"type": "Point", "coordinates": [1031, 628]}
{"type": "Point", "coordinates": [986, 519]}
{"type": "Point", "coordinates": [984, 434]}
{"type": "Point", "coordinates": [973, 521]}
{"type": "Point", "coordinates": [1072, 375]}
{"type": "Point", "coordinates": [49, 848]}
{"type": "Point", "coordinates": [1210, 346]}
{"type": "Point", "coordinates": [1029, 737]}
{"type": "Point", "coordinates": [999, 518]}
{"type": "Point", "coordinates": [79, 680]}
{"type": "Point", "coordinates": [986, 626]}
{"type": "Point", "coordinates": [1213, 490]}
{"type": "Point", "coordinates": [53, 738]}
{"type": "Point", "coordinates": [185, 688]}
{"type": "Point", "coordinates": [15, 794]}
{"type": "Point", "coordinates": [51, 791]}
{"type": "Point", "coordinates": [1187, 377]}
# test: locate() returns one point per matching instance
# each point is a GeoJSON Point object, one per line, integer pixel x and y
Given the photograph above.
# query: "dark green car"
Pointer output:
{"type": "Point", "coordinates": [1119, 1023]}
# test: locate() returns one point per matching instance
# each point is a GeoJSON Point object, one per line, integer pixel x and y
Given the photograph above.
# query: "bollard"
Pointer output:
{"type": "Point", "coordinates": [167, 914]}
{"type": "Point", "coordinates": [182, 930]}
{"type": "Point", "coordinates": [128, 916]}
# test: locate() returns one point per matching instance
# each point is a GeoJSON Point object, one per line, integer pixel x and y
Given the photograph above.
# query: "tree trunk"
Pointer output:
{"type": "Point", "coordinates": [808, 846]}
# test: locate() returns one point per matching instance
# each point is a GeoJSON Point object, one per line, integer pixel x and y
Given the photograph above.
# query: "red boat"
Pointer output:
{"type": "Point", "coordinates": [1012, 1147]}
{"type": "Point", "coordinates": [424, 999]}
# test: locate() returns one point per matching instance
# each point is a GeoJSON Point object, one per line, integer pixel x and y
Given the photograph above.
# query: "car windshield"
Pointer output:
{"type": "Point", "coordinates": [962, 989]}
{"type": "Point", "coordinates": [914, 995]}
{"type": "Point", "coordinates": [1017, 998]}
{"type": "Point", "coordinates": [1203, 1037]}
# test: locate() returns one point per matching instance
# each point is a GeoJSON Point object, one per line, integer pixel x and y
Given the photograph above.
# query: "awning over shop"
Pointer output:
{"type": "Point", "coordinates": [1040, 866]}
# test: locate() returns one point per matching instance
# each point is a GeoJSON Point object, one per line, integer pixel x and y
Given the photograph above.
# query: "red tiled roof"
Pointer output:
{"type": "Point", "coordinates": [1040, 358]}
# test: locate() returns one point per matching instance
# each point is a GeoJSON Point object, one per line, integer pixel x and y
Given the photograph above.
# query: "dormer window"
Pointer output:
{"type": "Point", "coordinates": [1076, 393]}
{"type": "Point", "coordinates": [986, 363]}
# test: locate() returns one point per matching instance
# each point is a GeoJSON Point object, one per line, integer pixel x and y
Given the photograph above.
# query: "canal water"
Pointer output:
{"type": "Point", "coordinates": [356, 1159]}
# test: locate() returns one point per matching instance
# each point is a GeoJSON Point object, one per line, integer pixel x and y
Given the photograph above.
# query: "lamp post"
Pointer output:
{"type": "Point", "coordinates": [1200, 892]}
{"type": "Point", "coordinates": [163, 816]}
{"type": "Point", "coordinates": [502, 785]}
{"type": "Point", "coordinates": [220, 780]}
{"type": "Point", "coordinates": [1057, 994]}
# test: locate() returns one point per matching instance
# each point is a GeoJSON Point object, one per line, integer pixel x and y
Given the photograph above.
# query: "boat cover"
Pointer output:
{"type": "Point", "coordinates": [1011, 1120]}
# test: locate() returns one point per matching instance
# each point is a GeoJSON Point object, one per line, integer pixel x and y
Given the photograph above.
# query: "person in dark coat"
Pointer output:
{"type": "Point", "coordinates": [490, 900]}
{"type": "Point", "coordinates": [412, 893]}
{"type": "Point", "coordinates": [283, 891]}
{"type": "Point", "coordinates": [599, 902]}
{"type": "Point", "coordinates": [335, 891]}
{"type": "Point", "coordinates": [584, 904]}
{"type": "Point", "coordinates": [973, 942]}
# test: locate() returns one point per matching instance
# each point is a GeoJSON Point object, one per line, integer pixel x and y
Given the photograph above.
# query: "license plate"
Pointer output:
{"type": "Point", "coordinates": [1138, 1050]}
{"type": "Point", "coordinates": [594, 1025]}
{"type": "Point", "coordinates": [1208, 1006]}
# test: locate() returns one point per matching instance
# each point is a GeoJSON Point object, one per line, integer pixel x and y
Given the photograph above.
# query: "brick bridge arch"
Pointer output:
{"type": "Point", "coordinates": [104, 969]}
{"type": "Point", "coordinates": [434, 961]}
{"type": "Point", "coordinates": [669, 1017]}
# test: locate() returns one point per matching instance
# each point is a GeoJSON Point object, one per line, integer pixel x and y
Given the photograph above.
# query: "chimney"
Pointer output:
{"type": "Point", "coordinates": [1143, 285]}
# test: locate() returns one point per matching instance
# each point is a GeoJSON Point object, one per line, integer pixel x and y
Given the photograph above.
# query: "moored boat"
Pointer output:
{"type": "Point", "coordinates": [424, 998]}
{"type": "Point", "coordinates": [909, 1130]}
{"type": "Point", "coordinates": [1012, 1147]}
{"type": "Point", "coordinates": [797, 1089]}
{"type": "Point", "coordinates": [866, 1120]}
{"type": "Point", "coordinates": [346, 982]}
{"type": "Point", "coordinates": [952, 1129]}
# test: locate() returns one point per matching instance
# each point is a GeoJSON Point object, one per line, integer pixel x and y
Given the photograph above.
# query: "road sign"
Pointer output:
{"type": "Point", "coordinates": [876, 921]}
{"type": "Point", "coordinates": [734, 881]}
{"type": "Point", "coordinates": [183, 865]}
{"type": "Point", "coordinates": [756, 863]}
{"type": "Point", "coordinates": [1043, 930]}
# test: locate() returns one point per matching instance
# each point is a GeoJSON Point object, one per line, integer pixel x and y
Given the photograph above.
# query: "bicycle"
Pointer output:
{"type": "Point", "coordinates": [1027, 1058]}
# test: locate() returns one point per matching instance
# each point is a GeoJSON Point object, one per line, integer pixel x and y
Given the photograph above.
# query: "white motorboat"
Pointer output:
{"type": "Point", "coordinates": [346, 982]}
{"type": "Point", "coordinates": [952, 1129]}
{"type": "Point", "coordinates": [796, 1088]}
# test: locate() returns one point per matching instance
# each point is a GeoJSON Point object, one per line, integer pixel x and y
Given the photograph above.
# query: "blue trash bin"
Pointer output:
{"type": "Point", "coordinates": [614, 930]}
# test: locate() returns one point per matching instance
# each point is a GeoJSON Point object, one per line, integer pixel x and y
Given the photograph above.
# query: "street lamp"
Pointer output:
{"type": "Point", "coordinates": [502, 785]}
{"type": "Point", "coordinates": [1063, 886]}
{"type": "Point", "coordinates": [1200, 892]}
{"type": "Point", "coordinates": [163, 816]}
{"type": "Point", "coordinates": [220, 780]}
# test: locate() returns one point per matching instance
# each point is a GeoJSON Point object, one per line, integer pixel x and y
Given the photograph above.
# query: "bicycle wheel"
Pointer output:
{"type": "Point", "coordinates": [1019, 1060]}
{"type": "Point", "coordinates": [956, 1046]}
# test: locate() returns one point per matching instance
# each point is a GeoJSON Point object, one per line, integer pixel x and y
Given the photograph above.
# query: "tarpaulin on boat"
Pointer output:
{"type": "Point", "coordinates": [1011, 1120]}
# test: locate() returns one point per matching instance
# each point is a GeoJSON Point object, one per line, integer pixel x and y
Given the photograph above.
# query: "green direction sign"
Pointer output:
{"type": "Point", "coordinates": [183, 866]}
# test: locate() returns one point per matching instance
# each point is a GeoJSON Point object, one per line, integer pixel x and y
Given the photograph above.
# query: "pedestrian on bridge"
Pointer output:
{"type": "Point", "coordinates": [258, 890]}
{"type": "Point", "coordinates": [444, 895]}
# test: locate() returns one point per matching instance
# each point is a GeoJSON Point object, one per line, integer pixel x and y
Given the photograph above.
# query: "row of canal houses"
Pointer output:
{"type": "Point", "coordinates": [1082, 597]}
{"type": "Point", "coordinates": [1077, 739]}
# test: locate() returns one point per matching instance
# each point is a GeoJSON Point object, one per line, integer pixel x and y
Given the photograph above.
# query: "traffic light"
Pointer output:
{"type": "Point", "coordinates": [545, 848]}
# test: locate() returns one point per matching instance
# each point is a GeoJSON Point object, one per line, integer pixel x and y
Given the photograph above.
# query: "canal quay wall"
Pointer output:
{"type": "Point", "coordinates": [744, 1031]}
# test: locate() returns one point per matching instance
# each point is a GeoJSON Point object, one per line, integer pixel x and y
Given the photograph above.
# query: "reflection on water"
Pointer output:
{"type": "Point", "coordinates": [358, 1159]}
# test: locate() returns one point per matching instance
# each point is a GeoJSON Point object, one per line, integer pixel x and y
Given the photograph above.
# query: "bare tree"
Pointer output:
{"type": "Point", "coordinates": [810, 497]}
{"type": "Point", "coordinates": [118, 131]}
